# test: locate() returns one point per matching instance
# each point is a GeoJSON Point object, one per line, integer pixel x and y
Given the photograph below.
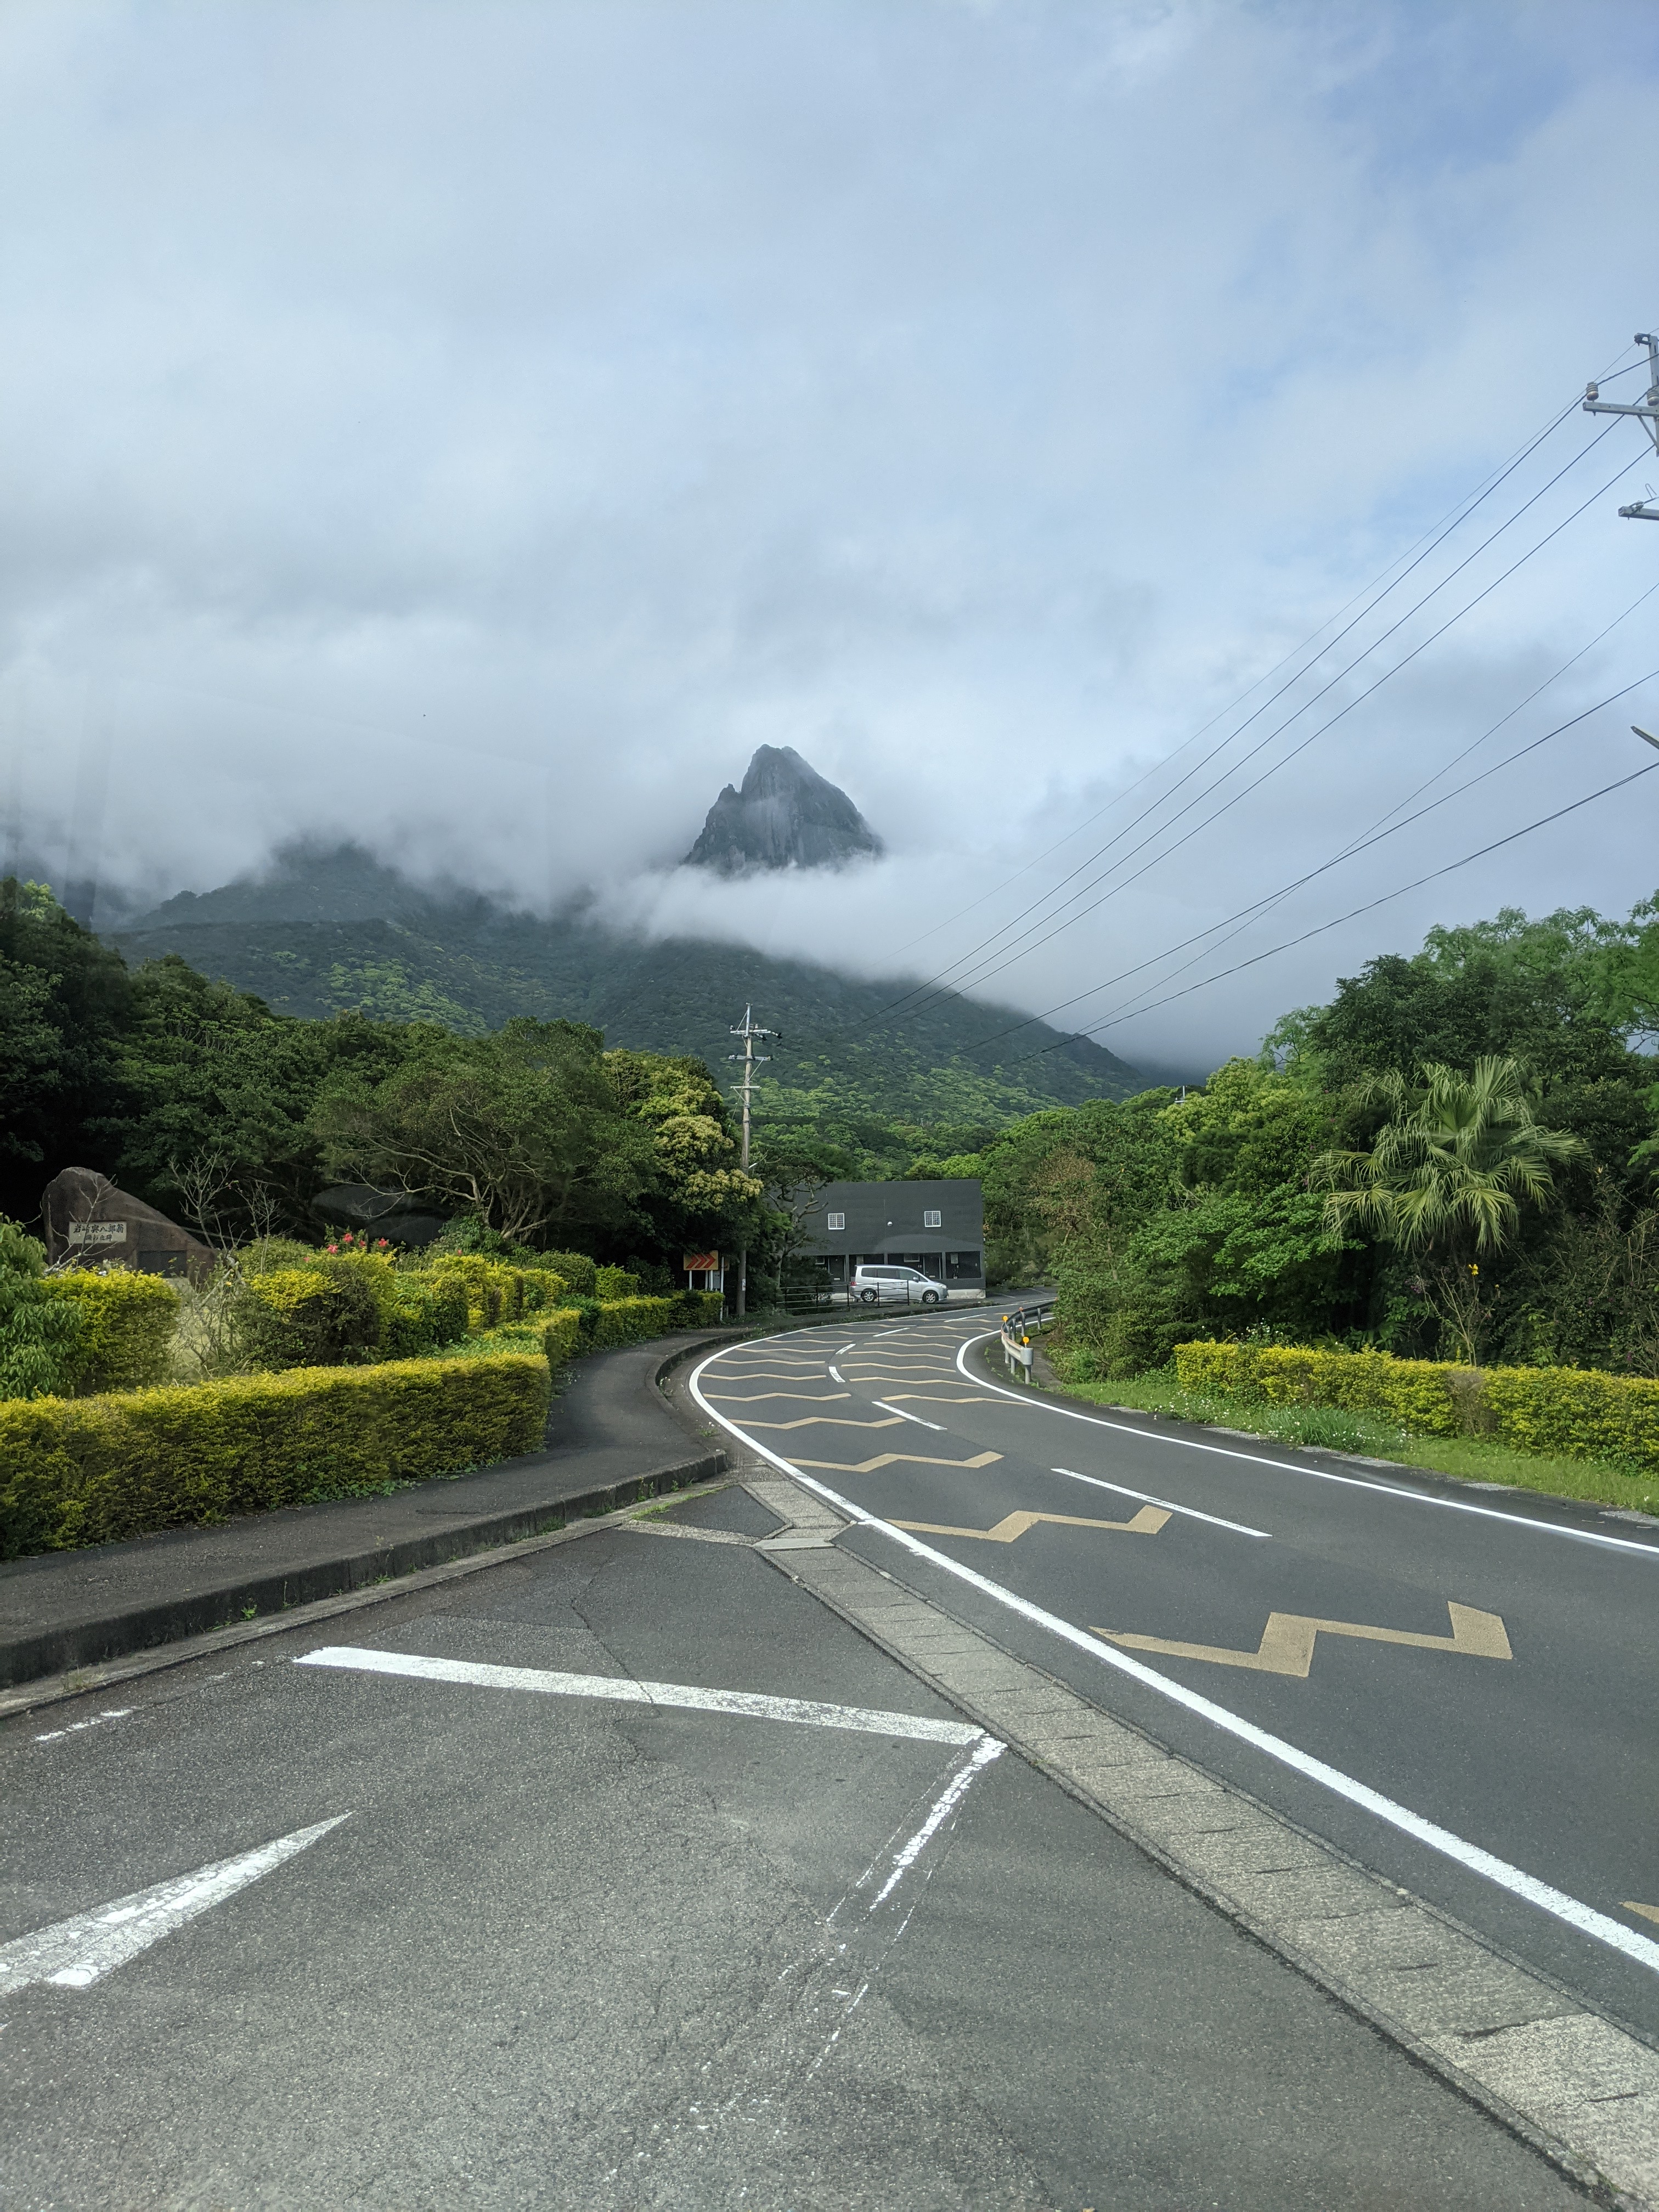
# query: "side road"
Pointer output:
{"type": "Point", "coordinates": [611, 1439]}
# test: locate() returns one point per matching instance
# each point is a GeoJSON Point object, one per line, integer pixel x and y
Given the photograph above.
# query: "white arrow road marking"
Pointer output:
{"type": "Point", "coordinates": [74, 1954]}
{"type": "Point", "coordinates": [624, 1690]}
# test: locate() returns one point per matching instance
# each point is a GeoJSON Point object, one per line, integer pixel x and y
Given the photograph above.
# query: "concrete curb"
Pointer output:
{"type": "Point", "coordinates": [141, 1627]}
{"type": "Point", "coordinates": [87, 1683]}
{"type": "Point", "coordinates": [90, 1643]}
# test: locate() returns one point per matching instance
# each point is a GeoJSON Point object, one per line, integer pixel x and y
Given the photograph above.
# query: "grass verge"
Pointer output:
{"type": "Point", "coordinates": [1329, 1428]}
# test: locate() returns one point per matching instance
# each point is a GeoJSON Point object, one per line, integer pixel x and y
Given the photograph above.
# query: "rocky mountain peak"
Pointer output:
{"type": "Point", "coordinates": [786, 815]}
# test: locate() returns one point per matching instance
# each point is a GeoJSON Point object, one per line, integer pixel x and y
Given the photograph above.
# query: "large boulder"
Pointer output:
{"type": "Point", "coordinates": [90, 1222]}
{"type": "Point", "coordinates": [396, 1215]}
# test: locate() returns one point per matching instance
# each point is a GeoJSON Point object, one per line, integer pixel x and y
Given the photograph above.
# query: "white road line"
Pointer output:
{"type": "Point", "coordinates": [621, 1689]}
{"type": "Point", "coordinates": [903, 1416]}
{"type": "Point", "coordinates": [942, 1807]}
{"type": "Point", "coordinates": [1295, 1467]}
{"type": "Point", "coordinates": [74, 1954]}
{"type": "Point", "coordinates": [1555, 1902]}
{"type": "Point", "coordinates": [837, 1374]}
{"type": "Point", "coordinates": [1168, 1504]}
{"type": "Point", "coordinates": [76, 1727]}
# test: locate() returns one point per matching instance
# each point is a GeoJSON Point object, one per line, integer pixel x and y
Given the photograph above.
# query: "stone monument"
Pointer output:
{"type": "Point", "coordinates": [91, 1224]}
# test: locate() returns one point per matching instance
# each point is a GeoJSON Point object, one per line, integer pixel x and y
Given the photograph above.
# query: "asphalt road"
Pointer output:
{"type": "Point", "coordinates": [1499, 1677]}
{"type": "Point", "coordinates": [362, 1917]}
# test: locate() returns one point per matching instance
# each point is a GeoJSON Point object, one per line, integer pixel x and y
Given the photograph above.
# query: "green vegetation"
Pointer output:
{"type": "Point", "coordinates": [1325, 1428]}
{"type": "Point", "coordinates": [91, 1470]}
{"type": "Point", "coordinates": [1453, 1161]}
{"type": "Point", "coordinates": [200, 1099]}
{"type": "Point", "coordinates": [1568, 1412]}
{"type": "Point", "coordinates": [333, 933]}
{"type": "Point", "coordinates": [40, 1335]}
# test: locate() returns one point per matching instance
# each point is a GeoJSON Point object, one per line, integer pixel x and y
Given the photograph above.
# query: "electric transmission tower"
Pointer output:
{"type": "Point", "coordinates": [751, 1033]}
{"type": "Point", "coordinates": [1646, 409]}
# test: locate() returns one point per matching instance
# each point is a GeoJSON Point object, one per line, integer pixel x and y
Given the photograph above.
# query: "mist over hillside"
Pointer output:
{"type": "Point", "coordinates": [328, 930]}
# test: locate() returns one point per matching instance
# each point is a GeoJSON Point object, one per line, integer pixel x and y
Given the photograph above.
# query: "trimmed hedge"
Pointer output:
{"type": "Point", "coordinates": [351, 1308]}
{"type": "Point", "coordinates": [497, 1292]}
{"type": "Point", "coordinates": [127, 1324]}
{"type": "Point", "coordinates": [1570, 1413]}
{"type": "Point", "coordinates": [592, 1327]}
{"type": "Point", "coordinates": [92, 1470]}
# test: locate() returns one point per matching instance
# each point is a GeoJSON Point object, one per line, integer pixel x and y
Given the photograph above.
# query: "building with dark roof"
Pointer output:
{"type": "Point", "coordinates": [938, 1227]}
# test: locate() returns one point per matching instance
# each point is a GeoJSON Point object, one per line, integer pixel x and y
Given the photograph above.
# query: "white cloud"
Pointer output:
{"type": "Point", "coordinates": [474, 429]}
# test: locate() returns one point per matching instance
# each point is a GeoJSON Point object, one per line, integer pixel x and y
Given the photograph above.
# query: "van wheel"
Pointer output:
{"type": "Point", "coordinates": [866, 1298]}
{"type": "Point", "coordinates": [930, 1297]}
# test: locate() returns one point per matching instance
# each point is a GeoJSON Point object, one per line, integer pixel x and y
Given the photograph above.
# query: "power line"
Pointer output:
{"type": "Point", "coordinates": [1459, 512]}
{"type": "Point", "coordinates": [1434, 875]}
{"type": "Point", "coordinates": [1034, 942]}
{"type": "Point", "coordinates": [957, 981]}
{"type": "Point", "coordinates": [1378, 830]}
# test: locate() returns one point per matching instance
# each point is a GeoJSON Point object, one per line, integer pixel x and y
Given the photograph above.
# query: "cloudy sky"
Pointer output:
{"type": "Point", "coordinates": [473, 429]}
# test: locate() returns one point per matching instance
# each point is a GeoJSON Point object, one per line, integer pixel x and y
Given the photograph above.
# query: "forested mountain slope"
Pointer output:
{"type": "Point", "coordinates": [328, 931]}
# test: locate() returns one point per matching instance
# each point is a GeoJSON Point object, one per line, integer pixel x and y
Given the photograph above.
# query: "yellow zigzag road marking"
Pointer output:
{"type": "Point", "coordinates": [909, 1374]}
{"type": "Point", "coordinates": [1146, 1523]}
{"type": "Point", "coordinates": [827, 1421]}
{"type": "Point", "coordinates": [771, 1374]}
{"type": "Point", "coordinates": [762, 1397]}
{"type": "Point", "coordinates": [1287, 1641]}
{"type": "Point", "coordinates": [923, 1398]}
{"type": "Point", "coordinates": [898, 1459]}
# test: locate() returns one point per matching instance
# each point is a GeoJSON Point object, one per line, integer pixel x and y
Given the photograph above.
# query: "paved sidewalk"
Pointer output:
{"type": "Point", "coordinates": [612, 1438]}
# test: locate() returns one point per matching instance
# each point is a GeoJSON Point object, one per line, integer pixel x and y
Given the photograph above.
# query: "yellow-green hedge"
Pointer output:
{"type": "Point", "coordinates": [1570, 1413]}
{"type": "Point", "coordinates": [351, 1306]}
{"type": "Point", "coordinates": [127, 1322]}
{"type": "Point", "coordinates": [90, 1470]}
{"type": "Point", "coordinates": [574, 1329]}
{"type": "Point", "coordinates": [497, 1292]}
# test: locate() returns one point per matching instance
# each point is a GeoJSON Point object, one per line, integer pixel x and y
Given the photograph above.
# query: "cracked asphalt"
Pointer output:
{"type": "Point", "coordinates": [572, 1952]}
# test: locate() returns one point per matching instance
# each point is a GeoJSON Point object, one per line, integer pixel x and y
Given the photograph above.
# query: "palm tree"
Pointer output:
{"type": "Point", "coordinates": [1447, 1176]}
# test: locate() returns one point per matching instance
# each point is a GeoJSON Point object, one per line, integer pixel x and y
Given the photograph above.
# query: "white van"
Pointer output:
{"type": "Point", "coordinates": [886, 1285]}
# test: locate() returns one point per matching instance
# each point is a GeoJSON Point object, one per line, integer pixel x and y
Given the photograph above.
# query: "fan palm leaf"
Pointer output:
{"type": "Point", "coordinates": [1457, 1160]}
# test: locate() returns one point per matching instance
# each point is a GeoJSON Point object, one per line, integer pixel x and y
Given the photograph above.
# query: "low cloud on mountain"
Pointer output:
{"type": "Point", "coordinates": [475, 431]}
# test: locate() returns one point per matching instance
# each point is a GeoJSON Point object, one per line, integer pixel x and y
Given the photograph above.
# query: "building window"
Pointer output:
{"type": "Point", "coordinates": [962, 1267]}
{"type": "Point", "coordinates": [838, 1221]}
{"type": "Point", "coordinates": [933, 1218]}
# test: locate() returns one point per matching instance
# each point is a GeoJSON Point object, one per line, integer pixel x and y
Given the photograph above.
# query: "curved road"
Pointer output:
{"type": "Point", "coordinates": [1456, 1689]}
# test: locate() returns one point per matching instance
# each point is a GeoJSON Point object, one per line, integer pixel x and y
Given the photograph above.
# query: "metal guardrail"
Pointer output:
{"type": "Point", "coordinates": [1018, 1328]}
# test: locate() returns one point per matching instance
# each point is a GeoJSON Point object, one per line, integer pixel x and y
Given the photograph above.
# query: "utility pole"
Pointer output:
{"type": "Point", "coordinates": [750, 1031]}
{"type": "Point", "coordinates": [1646, 409]}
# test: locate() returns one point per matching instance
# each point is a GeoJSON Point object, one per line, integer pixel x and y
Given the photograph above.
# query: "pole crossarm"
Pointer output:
{"type": "Point", "coordinates": [1646, 411]}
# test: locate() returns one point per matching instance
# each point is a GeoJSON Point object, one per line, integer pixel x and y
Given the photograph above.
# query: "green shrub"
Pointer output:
{"type": "Point", "coordinates": [612, 1284]}
{"type": "Point", "coordinates": [1568, 1412]}
{"type": "Point", "coordinates": [577, 1269]}
{"type": "Point", "coordinates": [92, 1470]}
{"type": "Point", "coordinates": [40, 1335]}
{"type": "Point", "coordinates": [265, 1253]}
{"type": "Point", "coordinates": [425, 1312]}
{"type": "Point", "coordinates": [496, 1289]}
{"type": "Point", "coordinates": [555, 1337]}
{"type": "Point", "coordinates": [127, 1325]}
{"type": "Point", "coordinates": [326, 1314]}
